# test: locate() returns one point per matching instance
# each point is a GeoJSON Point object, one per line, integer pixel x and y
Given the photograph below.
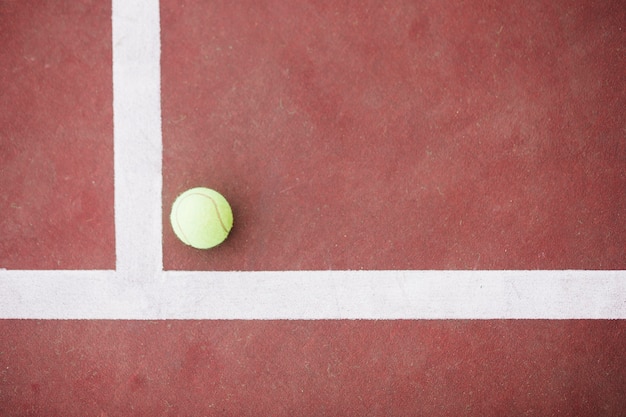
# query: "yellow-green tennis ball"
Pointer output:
{"type": "Point", "coordinates": [201, 218]}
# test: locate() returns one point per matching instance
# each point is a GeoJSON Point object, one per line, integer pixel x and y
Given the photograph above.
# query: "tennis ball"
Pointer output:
{"type": "Point", "coordinates": [201, 218]}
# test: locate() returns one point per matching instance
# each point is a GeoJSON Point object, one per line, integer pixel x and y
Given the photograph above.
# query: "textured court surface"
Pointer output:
{"type": "Point", "coordinates": [56, 136]}
{"type": "Point", "coordinates": [368, 135]}
{"type": "Point", "coordinates": [440, 368]}
{"type": "Point", "coordinates": [401, 134]}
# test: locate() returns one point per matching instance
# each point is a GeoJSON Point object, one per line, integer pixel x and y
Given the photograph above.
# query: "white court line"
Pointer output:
{"type": "Point", "coordinates": [139, 289]}
{"type": "Point", "coordinates": [137, 138]}
{"type": "Point", "coordinates": [315, 295]}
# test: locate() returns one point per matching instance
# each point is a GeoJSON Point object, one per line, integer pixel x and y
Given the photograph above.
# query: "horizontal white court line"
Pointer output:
{"type": "Point", "coordinates": [315, 295]}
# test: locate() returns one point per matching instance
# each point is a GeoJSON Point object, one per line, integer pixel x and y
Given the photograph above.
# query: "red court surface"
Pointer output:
{"type": "Point", "coordinates": [360, 135]}
{"type": "Point", "coordinates": [56, 136]}
{"type": "Point", "coordinates": [300, 368]}
{"type": "Point", "coordinates": [399, 134]}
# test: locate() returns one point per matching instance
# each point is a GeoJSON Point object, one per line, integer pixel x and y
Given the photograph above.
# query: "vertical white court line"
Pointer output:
{"type": "Point", "coordinates": [137, 138]}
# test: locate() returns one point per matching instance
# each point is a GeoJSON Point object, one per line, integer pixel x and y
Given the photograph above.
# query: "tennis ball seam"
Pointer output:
{"type": "Point", "coordinates": [215, 213]}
